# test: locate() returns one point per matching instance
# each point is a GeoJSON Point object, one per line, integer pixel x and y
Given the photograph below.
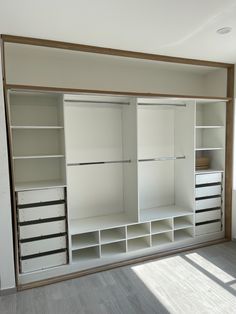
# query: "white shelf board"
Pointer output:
{"type": "Point", "coordinates": [38, 157]}
{"type": "Point", "coordinates": [182, 235]}
{"type": "Point", "coordinates": [84, 241]}
{"type": "Point", "coordinates": [209, 126]}
{"type": "Point", "coordinates": [208, 148]}
{"type": "Point", "coordinates": [36, 127]}
{"type": "Point", "coordinates": [85, 255]}
{"type": "Point", "coordinates": [137, 244]}
{"type": "Point", "coordinates": [160, 239]}
{"type": "Point", "coordinates": [208, 171]}
{"type": "Point", "coordinates": [163, 212]}
{"type": "Point", "coordinates": [78, 226]}
{"type": "Point", "coordinates": [111, 235]}
{"type": "Point", "coordinates": [182, 224]}
{"type": "Point", "coordinates": [25, 186]}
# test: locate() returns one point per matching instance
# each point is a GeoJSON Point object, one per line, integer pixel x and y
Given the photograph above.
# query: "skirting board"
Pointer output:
{"type": "Point", "coordinates": [8, 291]}
{"type": "Point", "coordinates": [118, 264]}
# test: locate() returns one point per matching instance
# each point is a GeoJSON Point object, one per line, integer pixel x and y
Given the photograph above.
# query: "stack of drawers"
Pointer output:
{"type": "Point", "coordinates": [208, 195]}
{"type": "Point", "coordinates": [42, 231]}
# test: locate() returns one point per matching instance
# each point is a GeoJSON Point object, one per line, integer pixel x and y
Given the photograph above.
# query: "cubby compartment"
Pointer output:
{"type": "Point", "coordinates": [160, 226]}
{"type": "Point", "coordinates": [112, 235]}
{"type": "Point", "coordinates": [111, 249]}
{"type": "Point", "coordinates": [210, 138]}
{"type": "Point", "coordinates": [39, 173]}
{"type": "Point", "coordinates": [162, 238]}
{"type": "Point", "coordinates": [183, 222]}
{"type": "Point", "coordinates": [36, 109]}
{"type": "Point", "coordinates": [210, 114]}
{"type": "Point", "coordinates": [84, 240]}
{"type": "Point", "coordinates": [138, 230]}
{"type": "Point", "coordinates": [86, 254]}
{"type": "Point", "coordinates": [139, 243]}
{"type": "Point", "coordinates": [183, 234]}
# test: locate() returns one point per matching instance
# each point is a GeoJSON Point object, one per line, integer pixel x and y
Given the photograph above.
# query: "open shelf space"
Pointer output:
{"type": "Point", "coordinates": [85, 255]}
{"type": "Point", "coordinates": [138, 244]}
{"type": "Point", "coordinates": [112, 235]}
{"type": "Point", "coordinates": [183, 222]}
{"type": "Point", "coordinates": [111, 249]}
{"type": "Point", "coordinates": [138, 230]}
{"type": "Point", "coordinates": [163, 212]}
{"type": "Point", "coordinates": [161, 238]}
{"type": "Point", "coordinates": [183, 234]}
{"type": "Point", "coordinates": [85, 240]}
{"type": "Point", "coordinates": [160, 226]}
{"type": "Point", "coordinates": [36, 185]}
{"type": "Point", "coordinates": [98, 223]}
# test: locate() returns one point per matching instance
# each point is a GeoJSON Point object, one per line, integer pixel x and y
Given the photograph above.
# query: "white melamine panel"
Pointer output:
{"type": "Point", "coordinates": [208, 215]}
{"type": "Point", "coordinates": [208, 178]}
{"type": "Point", "coordinates": [32, 109]}
{"type": "Point", "coordinates": [41, 229]}
{"type": "Point", "coordinates": [41, 212]}
{"type": "Point", "coordinates": [39, 172]}
{"type": "Point", "coordinates": [43, 262]}
{"type": "Point", "coordinates": [210, 138]}
{"type": "Point", "coordinates": [208, 203]}
{"type": "Point", "coordinates": [93, 132]}
{"type": "Point", "coordinates": [155, 132]}
{"type": "Point", "coordinates": [37, 196]}
{"type": "Point", "coordinates": [40, 246]}
{"type": "Point", "coordinates": [208, 228]}
{"type": "Point", "coordinates": [210, 114]}
{"type": "Point", "coordinates": [31, 142]}
{"type": "Point", "coordinates": [95, 190]}
{"type": "Point", "coordinates": [208, 191]}
{"type": "Point", "coordinates": [156, 184]}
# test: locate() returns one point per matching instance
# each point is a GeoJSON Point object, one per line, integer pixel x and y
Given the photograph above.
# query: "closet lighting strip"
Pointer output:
{"type": "Point", "coordinates": [156, 104]}
{"type": "Point", "coordinates": [98, 162]}
{"type": "Point", "coordinates": [163, 158]}
{"type": "Point", "coordinates": [97, 102]}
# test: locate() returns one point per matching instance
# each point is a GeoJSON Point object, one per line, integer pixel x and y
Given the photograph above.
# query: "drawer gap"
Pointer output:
{"type": "Point", "coordinates": [40, 204]}
{"type": "Point", "coordinates": [35, 222]}
{"type": "Point", "coordinates": [42, 254]}
{"type": "Point", "coordinates": [207, 222]}
{"type": "Point", "coordinates": [55, 235]}
{"type": "Point", "coordinates": [207, 210]}
{"type": "Point", "coordinates": [207, 184]}
{"type": "Point", "coordinates": [207, 197]}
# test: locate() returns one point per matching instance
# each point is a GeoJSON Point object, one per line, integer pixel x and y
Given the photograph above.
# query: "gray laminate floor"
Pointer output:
{"type": "Point", "coordinates": [199, 281]}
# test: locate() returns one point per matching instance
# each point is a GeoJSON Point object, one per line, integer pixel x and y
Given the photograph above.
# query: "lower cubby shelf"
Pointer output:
{"type": "Point", "coordinates": [162, 238]}
{"type": "Point", "coordinates": [84, 240]}
{"type": "Point", "coordinates": [183, 234]}
{"type": "Point", "coordinates": [139, 243]}
{"type": "Point", "coordinates": [112, 235]}
{"type": "Point", "coordinates": [86, 254]}
{"type": "Point", "coordinates": [112, 249]}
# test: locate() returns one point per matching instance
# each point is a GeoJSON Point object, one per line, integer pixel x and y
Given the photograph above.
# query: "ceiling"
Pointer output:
{"type": "Point", "coordinates": [184, 28]}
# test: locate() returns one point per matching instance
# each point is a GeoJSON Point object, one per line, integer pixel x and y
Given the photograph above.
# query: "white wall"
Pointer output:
{"type": "Point", "coordinates": [7, 274]}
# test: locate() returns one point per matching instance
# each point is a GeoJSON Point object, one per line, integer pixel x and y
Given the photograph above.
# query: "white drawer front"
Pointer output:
{"type": "Point", "coordinates": [208, 203]}
{"type": "Point", "coordinates": [38, 196]}
{"type": "Point", "coordinates": [208, 191]}
{"type": "Point", "coordinates": [46, 245]}
{"type": "Point", "coordinates": [208, 178]}
{"type": "Point", "coordinates": [207, 216]}
{"type": "Point", "coordinates": [208, 228]}
{"type": "Point", "coordinates": [43, 262]}
{"type": "Point", "coordinates": [37, 230]}
{"type": "Point", "coordinates": [41, 212]}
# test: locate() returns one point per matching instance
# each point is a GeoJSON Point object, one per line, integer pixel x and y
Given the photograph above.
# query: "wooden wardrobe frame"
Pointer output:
{"type": "Point", "coordinates": [126, 54]}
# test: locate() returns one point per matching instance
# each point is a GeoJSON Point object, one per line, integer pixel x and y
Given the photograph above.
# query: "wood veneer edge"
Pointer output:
{"type": "Point", "coordinates": [137, 260]}
{"type": "Point", "coordinates": [109, 51]}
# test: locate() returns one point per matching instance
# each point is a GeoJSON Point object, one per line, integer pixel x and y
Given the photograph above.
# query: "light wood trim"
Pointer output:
{"type": "Point", "coordinates": [142, 259]}
{"type": "Point", "coordinates": [109, 51]}
{"type": "Point", "coordinates": [106, 92]}
{"type": "Point", "coordinates": [229, 153]}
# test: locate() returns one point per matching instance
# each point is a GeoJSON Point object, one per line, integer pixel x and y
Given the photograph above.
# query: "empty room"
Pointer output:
{"type": "Point", "coordinates": [117, 157]}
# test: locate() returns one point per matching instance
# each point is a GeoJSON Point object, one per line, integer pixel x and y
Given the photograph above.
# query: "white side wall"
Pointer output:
{"type": "Point", "coordinates": [7, 274]}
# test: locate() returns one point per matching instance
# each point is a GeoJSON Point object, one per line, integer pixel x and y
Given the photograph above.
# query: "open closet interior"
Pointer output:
{"type": "Point", "coordinates": [101, 177]}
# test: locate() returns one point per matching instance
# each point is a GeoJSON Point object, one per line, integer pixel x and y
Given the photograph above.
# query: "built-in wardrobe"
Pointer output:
{"type": "Point", "coordinates": [101, 178]}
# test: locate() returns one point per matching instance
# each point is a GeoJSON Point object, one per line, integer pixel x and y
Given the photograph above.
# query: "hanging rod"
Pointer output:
{"type": "Point", "coordinates": [163, 158]}
{"type": "Point", "coordinates": [98, 102]}
{"type": "Point", "coordinates": [156, 104]}
{"type": "Point", "coordinates": [98, 162]}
